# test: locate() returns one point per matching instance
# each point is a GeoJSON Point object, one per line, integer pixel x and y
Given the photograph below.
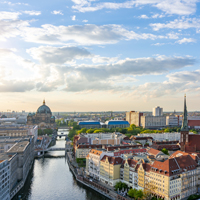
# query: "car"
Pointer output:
{"type": "Point", "coordinates": [90, 179]}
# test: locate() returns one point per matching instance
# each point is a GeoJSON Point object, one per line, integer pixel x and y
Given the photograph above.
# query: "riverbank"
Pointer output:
{"type": "Point", "coordinates": [90, 184]}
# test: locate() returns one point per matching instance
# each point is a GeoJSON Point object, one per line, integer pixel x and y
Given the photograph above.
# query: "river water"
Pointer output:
{"type": "Point", "coordinates": [51, 179]}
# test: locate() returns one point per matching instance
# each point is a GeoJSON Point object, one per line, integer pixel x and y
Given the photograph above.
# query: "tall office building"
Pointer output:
{"type": "Point", "coordinates": [134, 117]}
{"type": "Point", "coordinates": [157, 111]}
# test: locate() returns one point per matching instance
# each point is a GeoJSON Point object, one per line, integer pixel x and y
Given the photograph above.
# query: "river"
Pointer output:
{"type": "Point", "coordinates": [51, 179]}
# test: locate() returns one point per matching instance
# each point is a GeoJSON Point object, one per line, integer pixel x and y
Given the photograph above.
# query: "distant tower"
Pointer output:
{"type": "Point", "coordinates": [184, 129]}
{"type": "Point", "coordinates": [157, 111]}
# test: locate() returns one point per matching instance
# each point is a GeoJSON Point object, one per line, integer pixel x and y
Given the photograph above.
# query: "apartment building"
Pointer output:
{"type": "Point", "coordinates": [162, 136]}
{"type": "Point", "coordinates": [153, 122]}
{"type": "Point", "coordinates": [82, 150]}
{"type": "Point", "coordinates": [93, 162]}
{"type": "Point", "coordinates": [134, 117]}
{"type": "Point", "coordinates": [4, 180]}
{"type": "Point", "coordinates": [110, 169]}
{"type": "Point", "coordinates": [128, 172]}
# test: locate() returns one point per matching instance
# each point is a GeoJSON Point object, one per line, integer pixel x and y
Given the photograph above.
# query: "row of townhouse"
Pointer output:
{"type": "Point", "coordinates": [171, 179]}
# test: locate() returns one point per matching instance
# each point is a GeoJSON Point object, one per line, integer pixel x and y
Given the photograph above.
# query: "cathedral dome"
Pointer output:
{"type": "Point", "coordinates": [44, 109]}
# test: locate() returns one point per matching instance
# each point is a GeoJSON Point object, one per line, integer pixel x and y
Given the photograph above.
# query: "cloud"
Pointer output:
{"type": "Point", "coordinates": [87, 34]}
{"type": "Point", "coordinates": [57, 55]}
{"type": "Point", "coordinates": [186, 40]}
{"type": "Point", "coordinates": [184, 7]}
{"type": "Point", "coordinates": [143, 17]}
{"type": "Point", "coordinates": [32, 12]}
{"type": "Point", "coordinates": [183, 23]}
{"type": "Point", "coordinates": [13, 4]}
{"type": "Point", "coordinates": [85, 21]}
{"type": "Point", "coordinates": [99, 59]}
{"type": "Point", "coordinates": [177, 83]}
{"type": "Point", "coordinates": [158, 16]}
{"type": "Point", "coordinates": [73, 17]}
{"type": "Point", "coordinates": [57, 12]}
{"type": "Point", "coordinates": [9, 15]}
{"type": "Point", "coordinates": [11, 28]}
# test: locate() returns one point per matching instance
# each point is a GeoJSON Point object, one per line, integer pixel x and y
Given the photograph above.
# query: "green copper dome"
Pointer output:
{"type": "Point", "coordinates": [43, 109]}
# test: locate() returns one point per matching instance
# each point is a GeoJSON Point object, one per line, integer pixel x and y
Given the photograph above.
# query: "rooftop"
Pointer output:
{"type": "Point", "coordinates": [18, 147]}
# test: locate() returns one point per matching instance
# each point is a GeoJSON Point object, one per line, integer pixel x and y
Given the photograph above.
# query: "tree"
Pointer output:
{"type": "Point", "coordinates": [165, 151]}
{"type": "Point", "coordinates": [139, 194]}
{"type": "Point", "coordinates": [119, 185]}
{"type": "Point", "coordinates": [90, 130]}
{"type": "Point", "coordinates": [132, 193]}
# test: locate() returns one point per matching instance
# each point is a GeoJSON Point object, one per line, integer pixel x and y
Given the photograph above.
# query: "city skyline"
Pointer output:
{"type": "Point", "coordinates": [84, 55]}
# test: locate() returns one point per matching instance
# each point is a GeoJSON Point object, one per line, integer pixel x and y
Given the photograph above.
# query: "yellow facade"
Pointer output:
{"type": "Point", "coordinates": [109, 173]}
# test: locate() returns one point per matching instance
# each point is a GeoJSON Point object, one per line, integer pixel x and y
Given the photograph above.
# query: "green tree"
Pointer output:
{"type": "Point", "coordinates": [119, 185]}
{"type": "Point", "coordinates": [90, 130]}
{"type": "Point", "coordinates": [139, 194]}
{"type": "Point", "coordinates": [132, 193]}
{"type": "Point", "coordinates": [165, 151]}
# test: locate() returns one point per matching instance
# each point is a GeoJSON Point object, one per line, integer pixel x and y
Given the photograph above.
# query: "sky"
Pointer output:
{"type": "Point", "coordinates": [99, 55]}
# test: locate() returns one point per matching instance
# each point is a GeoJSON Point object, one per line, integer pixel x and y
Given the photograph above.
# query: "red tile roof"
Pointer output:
{"type": "Point", "coordinates": [174, 166]}
{"type": "Point", "coordinates": [153, 151]}
{"type": "Point", "coordinates": [112, 160]}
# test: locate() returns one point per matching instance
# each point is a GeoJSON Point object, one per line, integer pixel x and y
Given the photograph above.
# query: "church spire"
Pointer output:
{"type": "Point", "coordinates": [184, 119]}
{"type": "Point", "coordinates": [44, 102]}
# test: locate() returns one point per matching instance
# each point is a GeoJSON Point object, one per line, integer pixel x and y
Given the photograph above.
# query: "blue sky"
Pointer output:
{"type": "Point", "coordinates": [90, 55]}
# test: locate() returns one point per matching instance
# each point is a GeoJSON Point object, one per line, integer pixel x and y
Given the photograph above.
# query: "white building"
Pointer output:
{"type": "Point", "coordinates": [162, 136]}
{"type": "Point", "coordinates": [154, 122]}
{"type": "Point", "coordinates": [157, 111]}
{"type": "Point", "coordinates": [93, 162]}
{"type": "Point", "coordinates": [172, 121]}
{"type": "Point", "coordinates": [4, 180]}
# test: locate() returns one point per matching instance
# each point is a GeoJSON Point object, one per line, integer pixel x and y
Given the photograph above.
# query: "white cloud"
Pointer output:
{"type": "Point", "coordinates": [57, 12]}
{"type": "Point", "coordinates": [99, 59]}
{"type": "Point", "coordinates": [32, 12]}
{"type": "Point", "coordinates": [158, 16]}
{"type": "Point", "coordinates": [85, 21]}
{"type": "Point", "coordinates": [9, 15]}
{"type": "Point", "coordinates": [57, 55]}
{"type": "Point", "coordinates": [11, 28]}
{"type": "Point", "coordinates": [87, 34]}
{"type": "Point", "coordinates": [186, 40]}
{"type": "Point", "coordinates": [143, 17]}
{"type": "Point", "coordinates": [177, 83]}
{"type": "Point", "coordinates": [13, 4]}
{"type": "Point", "coordinates": [73, 17]}
{"type": "Point", "coordinates": [183, 23]}
{"type": "Point", "coordinates": [180, 7]}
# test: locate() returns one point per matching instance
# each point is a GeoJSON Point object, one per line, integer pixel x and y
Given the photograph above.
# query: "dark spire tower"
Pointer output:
{"type": "Point", "coordinates": [184, 128]}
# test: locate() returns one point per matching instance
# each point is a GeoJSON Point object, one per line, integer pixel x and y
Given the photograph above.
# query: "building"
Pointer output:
{"type": "Point", "coordinates": [19, 158]}
{"type": "Point", "coordinates": [134, 117]}
{"type": "Point", "coordinates": [93, 162]}
{"type": "Point", "coordinates": [117, 124]}
{"type": "Point", "coordinates": [153, 122]}
{"type": "Point", "coordinates": [110, 169]}
{"type": "Point", "coordinates": [157, 111]}
{"type": "Point", "coordinates": [89, 124]}
{"type": "Point", "coordinates": [162, 136]}
{"type": "Point", "coordinates": [172, 121]}
{"type": "Point", "coordinates": [188, 142]}
{"type": "Point", "coordinates": [82, 150]}
{"type": "Point", "coordinates": [4, 179]}
{"type": "Point", "coordinates": [43, 117]}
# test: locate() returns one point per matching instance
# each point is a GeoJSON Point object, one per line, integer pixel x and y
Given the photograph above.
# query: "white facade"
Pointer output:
{"type": "Point", "coordinates": [162, 136]}
{"type": "Point", "coordinates": [157, 111]}
{"type": "Point", "coordinates": [94, 163]}
{"type": "Point", "coordinates": [172, 121]}
{"type": "Point", "coordinates": [153, 121]}
{"type": "Point", "coordinates": [33, 130]}
{"type": "Point", "coordinates": [4, 180]}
